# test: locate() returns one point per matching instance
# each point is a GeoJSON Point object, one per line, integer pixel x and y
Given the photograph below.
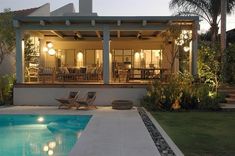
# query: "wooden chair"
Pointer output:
{"type": "Point", "coordinates": [70, 101]}
{"type": "Point", "coordinates": [87, 101]}
{"type": "Point", "coordinates": [47, 73]}
{"type": "Point", "coordinates": [32, 74]}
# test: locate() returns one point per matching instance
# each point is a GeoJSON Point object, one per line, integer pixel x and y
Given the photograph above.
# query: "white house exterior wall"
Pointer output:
{"type": "Point", "coordinates": [46, 96]}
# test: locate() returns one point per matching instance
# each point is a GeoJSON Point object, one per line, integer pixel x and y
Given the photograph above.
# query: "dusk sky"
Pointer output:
{"type": "Point", "coordinates": [111, 8]}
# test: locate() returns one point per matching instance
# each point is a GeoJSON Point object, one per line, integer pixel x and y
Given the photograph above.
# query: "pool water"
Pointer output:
{"type": "Point", "coordinates": [40, 135]}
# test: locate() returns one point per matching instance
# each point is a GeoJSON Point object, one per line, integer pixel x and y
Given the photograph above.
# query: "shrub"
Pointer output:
{"type": "Point", "coordinates": [209, 66]}
{"type": "Point", "coordinates": [208, 100]}
{"type": "Point", "coordinates": [229, 65]}
{"type": "Point", "coordinates": [180, 92]}
{"type": "Point", "coordinates": [6, 89]}
{"type": "Point", "coordinates": [188, 100]}
{"type": "Point", "coordinates": [152, 101]}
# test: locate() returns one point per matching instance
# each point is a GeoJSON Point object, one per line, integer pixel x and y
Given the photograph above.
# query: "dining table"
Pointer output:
{"type": "Point", "coordinates": [147, 73]}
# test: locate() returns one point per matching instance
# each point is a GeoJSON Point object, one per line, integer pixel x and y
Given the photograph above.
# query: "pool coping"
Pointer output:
{"type": "Point", "coordinates": [131, 137]}
{"type": "Point", "coordinates": [169, 141]}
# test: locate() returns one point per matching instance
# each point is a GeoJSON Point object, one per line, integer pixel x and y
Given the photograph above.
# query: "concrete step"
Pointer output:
{"type": "Point", "coordinates": [227, 87]}
{"type": "Point", "coordinates": [231, 96]}
{"type": "Point", "coordinates": [229, 91]}
{"type": "Point", "coordinates": [228, 107]}
{"type": "Point", "coordinates": [230, 100]}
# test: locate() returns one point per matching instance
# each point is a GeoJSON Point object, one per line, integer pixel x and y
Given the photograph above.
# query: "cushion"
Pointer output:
{"type": "Point", "coordinates": [66, 71]}
{"type": "Point", "coordinates": [71, 70]}
{"type": "Point", "coordinates": [93, 71]}
{"type": "Point", "coordinates": [61, 70]}
{"type": "Point", "coordinates": [90, 95]}
{"type": "Point", "coordinates": [47, 71]}
{"type": "Point", "coordinates": [72, 94]}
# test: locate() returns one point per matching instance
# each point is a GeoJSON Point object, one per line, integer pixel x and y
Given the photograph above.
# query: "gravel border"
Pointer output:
{"type": "Point", "coordinates": [160, 142]}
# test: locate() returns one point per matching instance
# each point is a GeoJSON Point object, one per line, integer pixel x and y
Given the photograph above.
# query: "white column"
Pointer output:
{"type": "Point", "coordinates": [19, 57]}
{"type": "Point", "coordinates": [106, 50]}
{"type": "Point", "coordinates": [194, 49]}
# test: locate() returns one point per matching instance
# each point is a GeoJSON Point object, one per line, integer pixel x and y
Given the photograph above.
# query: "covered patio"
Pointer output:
{"type": "Point", "coordinates": [103, 50]}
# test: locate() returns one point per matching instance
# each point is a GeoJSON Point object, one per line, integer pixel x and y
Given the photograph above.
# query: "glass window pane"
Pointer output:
{"type": "Point", "coordinates": [118, 58]}
{"type": "Point", "coordinates": [118, 52]}
{"type": "Point", "coordinates": [148, 57]}
{"type": "Point", "coordinates": [127, 52]}
{"type": "Point", "coordinates": [156, 58]}
{"type": "Point", "coordinates": [90, 57]}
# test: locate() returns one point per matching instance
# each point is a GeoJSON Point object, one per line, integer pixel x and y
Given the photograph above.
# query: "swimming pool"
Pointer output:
{"type": "Point", "coordinates": [40, 135]}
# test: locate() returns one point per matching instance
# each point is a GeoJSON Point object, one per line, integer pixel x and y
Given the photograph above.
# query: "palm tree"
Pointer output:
{"type": "Point", "coordinates": [209, 10]}
{"type": "Point", "coordinates": [223, 25]}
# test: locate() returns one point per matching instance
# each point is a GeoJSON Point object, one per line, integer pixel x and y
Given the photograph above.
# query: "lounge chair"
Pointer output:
{"type": "Point", "coordinates": [70, 101]}
{"type": "Point", "coordinates": [87, 101]}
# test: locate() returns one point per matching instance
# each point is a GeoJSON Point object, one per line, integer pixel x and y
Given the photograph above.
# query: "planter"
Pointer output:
{"type": "Point", "coordinates": [122, 104]}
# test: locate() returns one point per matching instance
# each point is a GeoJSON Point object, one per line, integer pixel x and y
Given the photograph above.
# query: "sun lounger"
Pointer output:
{"type": "Point", "coordinates": [70, 101]}
{"type": "Point", "coordinates": [87, 101]}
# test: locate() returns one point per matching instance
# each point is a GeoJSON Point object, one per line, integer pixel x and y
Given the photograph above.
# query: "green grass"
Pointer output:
{"type": "Point", "coordinates": [200, 133]}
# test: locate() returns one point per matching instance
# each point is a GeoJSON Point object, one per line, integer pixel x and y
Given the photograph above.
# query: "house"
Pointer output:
{"type": "Point", "coordinates": [230, 36]}
{"type": "Point", "coordinates": [114, 56]}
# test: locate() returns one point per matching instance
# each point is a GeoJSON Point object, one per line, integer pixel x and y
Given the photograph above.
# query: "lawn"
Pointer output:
{"type": "Point", "coordinates": [200, 133]}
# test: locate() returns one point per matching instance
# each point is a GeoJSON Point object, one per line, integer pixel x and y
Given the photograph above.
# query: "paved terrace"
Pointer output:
{"type": "Point", "coordinates": [109, 132]}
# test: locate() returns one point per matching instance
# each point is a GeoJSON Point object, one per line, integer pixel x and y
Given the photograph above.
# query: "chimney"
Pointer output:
{"type": "Point", "coordinates": [85, 8]}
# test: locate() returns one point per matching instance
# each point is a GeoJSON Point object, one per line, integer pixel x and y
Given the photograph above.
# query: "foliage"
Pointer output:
{"type": "Point", "coordinates": [7, 34]}
{"type": "Point", "coordinates": [229, 65]}
{"type": "Point", "coordinates": [180, 92]}
{"type": "Point", "coordinates": [152, 100]}
{"type": "Point", "coordinates": [29, 50]}
{"type": "Point", "coordinates": [178, 39]}
{"type": "Point", "coordinates": [6, 88]}
{"type": "Point", "coordinates": [207, 100]}
{"type": "Point", "coordinates": [208, 65]}
{"type": "Point", "coordinates": [208, 10]}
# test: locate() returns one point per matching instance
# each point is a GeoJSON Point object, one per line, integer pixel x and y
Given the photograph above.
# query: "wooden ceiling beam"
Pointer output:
{"type": "Point", "coordinates": [57, 34]}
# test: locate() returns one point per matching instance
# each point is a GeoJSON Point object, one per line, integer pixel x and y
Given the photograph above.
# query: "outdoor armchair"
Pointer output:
{"type": "Point", "coordinates": [87, 101]}
{"type": "Point", "coordinates": [70, 101]}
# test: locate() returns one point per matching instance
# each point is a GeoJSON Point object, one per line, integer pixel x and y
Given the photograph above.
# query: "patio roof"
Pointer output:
{"type": "Point", "coordinates": [91, 27]}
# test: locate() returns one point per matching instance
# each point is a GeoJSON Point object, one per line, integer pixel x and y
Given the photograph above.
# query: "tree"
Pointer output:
{"type": "Point", "coordinates": [208, 65]}
{"type": "Point", "coordinates": [209, 10]}
{"type": "Point", "coordinates": [7, 34]}
{"type": "Point", "coordinates": [29, 50]}
{"type": "Point", "coordinates": [223, 30]}
{"type": "Point", "coordinates": [179, 40]}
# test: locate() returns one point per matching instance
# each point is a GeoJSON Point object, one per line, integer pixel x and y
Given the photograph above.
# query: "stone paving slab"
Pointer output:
{"type": "Point", "coordinates": [109, 132]}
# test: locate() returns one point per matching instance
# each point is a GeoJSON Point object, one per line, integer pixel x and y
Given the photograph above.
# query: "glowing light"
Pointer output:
{"type": "Point", "coordinates": [211, 94]}
{"type": "Point", "coordinates": [137, 55]}
{"type": "Point", "coordinates": [40, 119]}
{"type": "Point", "coordinates": [157, 53]}
{"type": "Point", "coordinates": [45, 49]}
{"type": "Point", "coordinates": [52, 144]}
{"type": "Point", "coordinates": [49, 45]}
{"type": "Point", "coordinates": [141, 55]}
{"type": "Point", "coordinates": [45, 148]}
{"type": "Point", "coordinates": [23, 45]}
{"type": "Point", "coordinates": [59, 54]}
{"type": "Point", "coordinates": [50, 152]}
{"type": "Point", "coordinates": [79, 134]}
{"type": "Point", "coordinates": [180, 42]}
{"type": "Point", "coordinates": [186, 49]}
{"type": "Point", "coordinates": [79, 59]}
{"type": "Point", "coordinates": [51, 52]}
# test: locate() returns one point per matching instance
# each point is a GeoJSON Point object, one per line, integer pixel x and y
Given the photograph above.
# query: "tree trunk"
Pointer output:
{"type": "Point", "coordinates": [223, 33]}
{"type": "Point", "coordinates": [214, 32]}
{"type": "Point", "coordinates": [223, 26]}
